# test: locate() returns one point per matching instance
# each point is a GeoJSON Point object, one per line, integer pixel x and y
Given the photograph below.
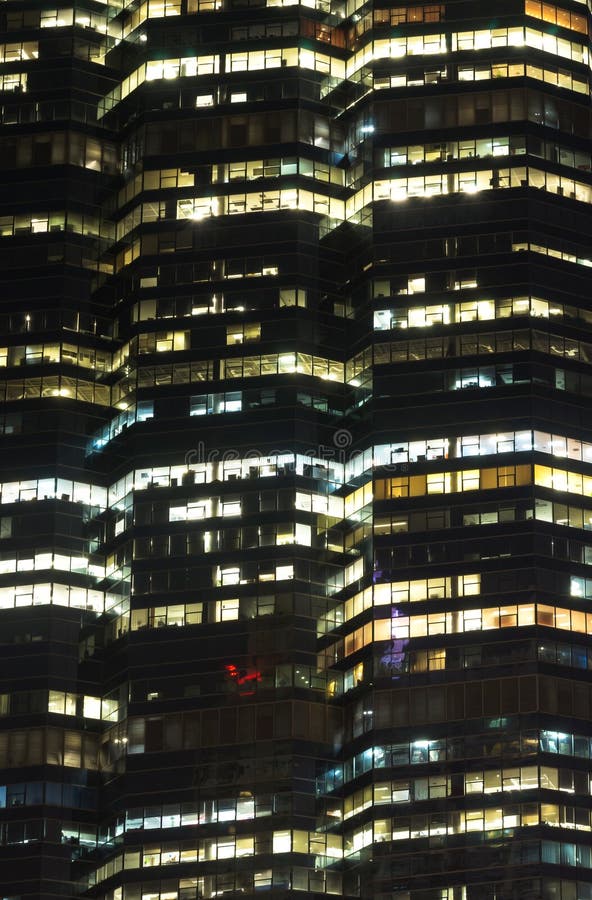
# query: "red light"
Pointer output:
{"type": "Point", "coordinates": [242, 676]}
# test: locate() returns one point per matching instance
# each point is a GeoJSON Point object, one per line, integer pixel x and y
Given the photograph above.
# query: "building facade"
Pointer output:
{"type": "Point", "coordinates": [281, 283]}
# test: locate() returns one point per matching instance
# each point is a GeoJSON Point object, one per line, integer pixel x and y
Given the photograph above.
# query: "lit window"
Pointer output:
{"type": "Point", "coordinates": [227, 610]}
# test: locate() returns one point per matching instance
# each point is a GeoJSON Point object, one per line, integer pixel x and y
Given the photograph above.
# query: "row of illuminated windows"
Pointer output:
{"type": "Point", "coordinates": [519, 37]}
{"type": "Point", "coordinates": [191, 66]}
{"type": "Point", "coordinates": [48, 746]}
{"type": "Point", "coordinates": [282, 363]}
{"type": "Point", "coordinates": [260, 201]}
{"type": "Point", "coordinates": [55, 386]}
{"type": "Point", "coordinates": [461, 621]}
{"type": "Point", "coordinates": [440, 183]}
{"type": "Point", "coordinates": [53, 488]}
{"type": "Point", "coordinates": [28, 561]}
{"type": "Point", "coordinates": [401, 15]}
{"type": "Point", "coordinates": [556, 15]}
{"type": "Point", "coordinates": [474, 310]}
{"type": "Point", "coordinates": [486, 72]}
{"type": "Point", "coordinates": [183, 815]}
{"type": "Point", "coordinates": [557, 445]}
{"type": "Point", "coordinates": [18, 51]}
{"type": "Point", "coordinates": [205, 207]}
{"type": "Point", "coordinates": [202, 468]}
{"type": "Point", "coordinates": [460, 481]}
{"type": "Point", "coordinates": [480, 344]}
{"type": "Point", "coordinates": [425, 44]}
{"type": "Point", "coordinates": [251, 170]}
{"type": "Point", "coordinates": [62, 18]}
{"type": "Point", "coordinates": [168, 616]}
{"type": "Point", "coordinates": [16, 596]}
{"type": "Point", "coordinates": [488, 781]}
{"type": "Point", "coordinates": [396, 48]}
{"type": "Point", "coordinates": [445, 151]}
{"type": "Point", "coordinates": [560, 480]}
{"type": "Point", "coordinates": [228, 847]}
{"type": "Point", "coordinates": [70, 354]}
{"type": "Point", "coordinates": [198, 471]}
{"type": "Point", "coordinates": [401, 627]}
{"type": "Point", "coordinates": [562, 78]}
{"type": "Point", "coordinates": [490, 819]}
{"type": "Point", "coordinates": [484, 479]}
{"type": "Point", "coordinates": [41, 223]}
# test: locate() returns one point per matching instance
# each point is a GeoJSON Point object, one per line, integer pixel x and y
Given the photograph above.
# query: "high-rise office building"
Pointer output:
{"type": "Point", "coordinates": [295, 585]}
